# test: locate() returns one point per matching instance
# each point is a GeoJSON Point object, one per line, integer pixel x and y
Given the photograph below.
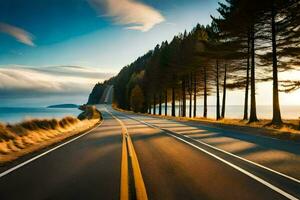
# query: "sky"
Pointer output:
{"type": "Point", "coordinates": [45, 45]}
{"type": "Point", "coordinates": [54, 51]}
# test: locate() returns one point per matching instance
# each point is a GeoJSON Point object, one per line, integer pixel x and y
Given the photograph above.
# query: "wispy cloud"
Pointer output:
{"type": "Point", "coordinates": [22, 82]}
{"type": "Point", "coordinates": [73, 71]}
{"type": "Point", "coordinates": [135, 15]}
{"type": "Point", "coordinates": [18, 33]}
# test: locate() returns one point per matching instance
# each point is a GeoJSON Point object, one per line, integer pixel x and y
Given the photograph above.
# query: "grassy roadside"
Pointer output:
{"type": "Point", "coordinates": [29, 136]}
{"type": "Point", "coordinates": [289, 131]}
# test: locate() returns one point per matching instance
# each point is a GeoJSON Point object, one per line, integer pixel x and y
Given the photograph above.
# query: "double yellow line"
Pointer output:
{"type": "Point", "coordinates": [129, 157]}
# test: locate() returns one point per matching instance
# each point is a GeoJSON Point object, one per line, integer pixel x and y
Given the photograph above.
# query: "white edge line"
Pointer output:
{"type": "Point", "coordinates": [46, 152]}
{"type": "Point", "coordinates": [218, 128]}
{"type": "Point", "coordinates": [287, 195]}
{"type": "Point", "coordinates": [120, 121]}
{"type": "Point", "coordinates": [249, 161]}
{"type": "Point", "coordinates": [278, 190]}
{"type": "Point", "coordinates": [236, 156]}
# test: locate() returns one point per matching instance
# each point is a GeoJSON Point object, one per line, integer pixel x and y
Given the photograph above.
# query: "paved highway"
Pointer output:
{"type": "Point", "coordinates": [158, 159]}
{"type": "Point", "coordinates": [175, 166]}
{"type": "Point", "coordinates": [87, 168]}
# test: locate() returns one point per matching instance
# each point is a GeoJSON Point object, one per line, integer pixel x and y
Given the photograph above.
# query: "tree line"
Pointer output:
{"type": "Point", "coordinates": [250, 42]}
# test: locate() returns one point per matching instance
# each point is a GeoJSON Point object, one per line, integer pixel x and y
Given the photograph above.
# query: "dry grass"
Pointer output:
{"type": "Point", "coordinates": [290, 130]}
{"type": "Point", "coordinates": [89, 112]}
{"type": "Point", "coordinates": [22, 138]}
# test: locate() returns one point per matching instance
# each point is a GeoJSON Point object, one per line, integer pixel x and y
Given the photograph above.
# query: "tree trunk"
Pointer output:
{"type": "Point", "coordinates": [160, 102]}
{"type": "Point", "coordinates": [166, 102]}
{"type": "Point", "coordinates": [195, 95]}
{"type": "Point", "coordinates": [154, 104]}
{"type": "Point", "coordinates": [218, 94]}
{"type": "Point", "coordinates": [183, 97]}
{"type": "Point", "coordinates": [205, 92]}
{"type": "Point", "coordinates": [253, 116]}
{"type": "Point", "coordinates": [173, 102]}
{"type": "Point", "coordinates": [180, 108]}
{"type": "Point", "coordinates": [191, 93]}
{"type": "Point", "coordinates": [150, 108]}
{"type": "Point", "coordinates": [224, 93]}
{"type": "Point", "coordinates": [190, 106]}
{"type": "Point", "coordinates": [247, 81]}
{"type": "Point", "coordinates": [276, 109]}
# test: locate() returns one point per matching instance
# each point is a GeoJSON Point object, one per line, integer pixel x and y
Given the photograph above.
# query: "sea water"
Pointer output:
{"type": "Point", "coordinates": [237, 111]}
{"type": "Point", "coordinates": [17, 114]}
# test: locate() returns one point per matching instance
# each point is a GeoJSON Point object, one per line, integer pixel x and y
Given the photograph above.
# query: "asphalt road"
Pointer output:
{"type": "Point", "coordinates": [177, 167]}
{"type": "Point", "coordinates": [173, 166]}
{"type": "Point", "coordinates": [87, 168]}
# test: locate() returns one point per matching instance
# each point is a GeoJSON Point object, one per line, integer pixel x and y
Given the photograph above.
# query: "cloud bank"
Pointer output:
{"type": "Point", "coordinates": [135, 15]}
{"type": "Point", "coordinates": [18, 33]}
{"type": "Point", "coordinates": [30, 82]}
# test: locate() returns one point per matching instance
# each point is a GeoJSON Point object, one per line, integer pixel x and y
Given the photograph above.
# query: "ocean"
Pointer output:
{"type": "Point", "coordinates": [237, 112]}
{"type": "Point", "coordinates": [17, 114]}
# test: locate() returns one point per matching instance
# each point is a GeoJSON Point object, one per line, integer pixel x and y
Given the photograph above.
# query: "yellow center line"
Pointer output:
{"type": "Point", "coordinates": [140, 189]}
{"type": "Point", "coordinates": [124, 190]}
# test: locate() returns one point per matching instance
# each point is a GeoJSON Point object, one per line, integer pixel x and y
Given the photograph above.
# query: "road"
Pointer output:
{"type": "Point", "coordinates": [163, 159]}
{"type": "Point", "coordinates": [187, 169]}
{"type": "Point", "coordinates": [87, 168]}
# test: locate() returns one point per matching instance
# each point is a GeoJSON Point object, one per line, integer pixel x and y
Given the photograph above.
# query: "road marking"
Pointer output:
{"type": "Point", "coordinates": [124, 186]}
{"type": "Point", "coordinates": [140, 189]}
{"type": "Point", "coordinates": [273, 187]}
{"type": "Point", "coordinates": [46, 152]}
{"type": "Point", "coordinates": [124, 190]}
{"type": "Point", "coordinates": [236, 156]}
{"type": "Point", "coordinates": [249, 161]}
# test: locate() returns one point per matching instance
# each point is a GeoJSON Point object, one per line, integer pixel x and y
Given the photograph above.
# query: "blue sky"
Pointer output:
{"type": "Point", "coordinates": [44, 43]}
{"type": "Point", "coordinates": [54, 51]}
{"type": "Point", "coordinates": [76, 32]}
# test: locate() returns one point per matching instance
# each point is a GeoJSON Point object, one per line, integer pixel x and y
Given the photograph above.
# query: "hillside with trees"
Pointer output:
{"type": "Point", "coordinates": [97, 92]}
{"type": "Point", "coordinates": [250, 42]}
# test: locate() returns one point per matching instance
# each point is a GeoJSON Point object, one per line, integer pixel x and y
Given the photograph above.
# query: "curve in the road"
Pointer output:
{"type": "Point", "coordinates": [168, 172]}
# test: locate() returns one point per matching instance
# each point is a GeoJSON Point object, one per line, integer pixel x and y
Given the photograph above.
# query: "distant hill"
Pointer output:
{"type": "Point", "coordinates": [96, 94]}
{"type": "Point", "coordinates": [64, 106]}
{"type": "Point", "coordinates": [98, 91]}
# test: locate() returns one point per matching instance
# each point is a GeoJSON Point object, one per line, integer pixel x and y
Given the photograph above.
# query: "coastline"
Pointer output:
{"type": "Point", "coordinates": [16, 114]}
{"type": "Point", "coordinates": [28, 137]}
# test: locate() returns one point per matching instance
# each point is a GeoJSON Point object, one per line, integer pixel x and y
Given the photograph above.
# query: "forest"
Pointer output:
{"type": "Point", "coordinates": [249, 42]}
